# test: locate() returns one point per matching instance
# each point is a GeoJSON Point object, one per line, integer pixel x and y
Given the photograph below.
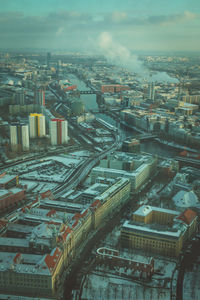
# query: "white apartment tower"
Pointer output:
{"type": "Point", "coordinates": [37, 125]}
{"type": "Point", "coordinates": [19, 137]}
{"type": "Point", "coordinates": [58, 131]}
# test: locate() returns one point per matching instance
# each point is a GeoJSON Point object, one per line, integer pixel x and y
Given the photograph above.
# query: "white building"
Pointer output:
{"type": "Point", "coordinates": [19, 137]}
{"type": "Point", "coordinates": [58, 131]}
{"type": "Point", "coordinates": [37, 125]}
{"type": "Point", "coordinates": [113, 167]}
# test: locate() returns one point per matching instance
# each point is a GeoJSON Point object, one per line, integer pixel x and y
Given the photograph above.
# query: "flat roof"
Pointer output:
{"type": "Point", "coordinates": [6, 178]}
{"type": "Point", "coordinates": [3, 193]}
{"type": "Point", "coordinates": [14, 242]}
{"type": "Point", "coordinates": [153, 232]}
{"type": "Point", "coordinates": [144, 210]}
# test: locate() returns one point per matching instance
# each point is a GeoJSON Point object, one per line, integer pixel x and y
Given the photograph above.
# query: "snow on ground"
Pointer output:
{"type": "Point", "coordinates": [191, 286]}
{"type": "Point", "coordinates": [31, 185]}
{"type": "Point", "coordinates": [83, 153]}
{"type": "Point", "coordinates": [48, 177]}
{"type": "Point", "coordinates": [38, 187]}
{"type": "Point", "coordinates": [105, 286]}
{"type": "Point", "coordinates": [66, 159]}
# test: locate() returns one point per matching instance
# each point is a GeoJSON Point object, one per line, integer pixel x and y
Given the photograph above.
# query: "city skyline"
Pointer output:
{"type": "Point", "coordinates": [144, 25]}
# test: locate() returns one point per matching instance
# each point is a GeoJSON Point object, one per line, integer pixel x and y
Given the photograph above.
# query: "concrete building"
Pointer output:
{"type": "Point", "coordinates": [37, 125]}
{"type": "Point", "coordinates": [114, 88]}
{"type": "Point", "coordinates": [111, 199]}
{"type": "Point", "coordinates": [58, 131]}
{"type": "Point", "coordinates": [43, 233]}
{"type": "Point", "coordinates": [8, 181]}
{"type": "Point", "coordinates": [48, 59]}
{"type": "Point", "coordinates": [10, 198]}
{"type": "Point", "coordinates": [39, 97]}
{"type": "Point", "coordinates": [19, 137]}
{"type": "Point", "coordinates": [28, 274]}
{"type": "Point", "coordinates": [113, 258]}
{"type": "Point", "coordinates": [159, 230]}
{"type": "Point", "coordinates": [136, 167]}
{"type": "Point", "coordinates": [19, 97]}
{"type": "Point", "coordinates": [131, 145]}
{"type": "Point", "coordinates": [195, 99]}
{"type": "Point", "coordinates": [151, 91]}
{"type": "Point", "coordinates": [22, 109]}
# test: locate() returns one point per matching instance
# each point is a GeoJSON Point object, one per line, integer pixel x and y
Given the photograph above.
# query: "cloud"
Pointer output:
{"type": "Point", "coordinates": [72, 29]}
{"type": "Point", "coordinates": [173, 19]}
{"type": "Point", "coordinates": [59, 31]}
{"type": "Point", "coordinates": [118, 16]}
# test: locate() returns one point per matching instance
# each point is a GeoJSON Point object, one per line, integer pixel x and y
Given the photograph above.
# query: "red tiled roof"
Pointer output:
{"type": "Point", "coordinates": [66, 232]}
{"type": "Point", "coordinates": [3, 223]}
{"type": "Point", "coordinates": [187, 216]}
{"type": "Point", "coordinates": [52, 260]}
{"type": "Point", "coordinates": [47, 194]}
{"type": "Point", "coordinates": [76, 216]}
{"type": "Point", "coordinates": [2, 175]}
{"type": "Point", "coordinates": [17, 256]}
{"type": "Point", "coordinates": [51, 212]}
{"type": "Point", "coordinates": [96, 204]}
{"type": "Point", "coordinates": [79, 215]}
{"type": "Point", "coordinates": [52, 222]}
{"type": "Point", "coordinates": [75, 223]}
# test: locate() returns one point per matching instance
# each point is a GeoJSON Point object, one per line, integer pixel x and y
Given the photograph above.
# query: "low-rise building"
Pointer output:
{"type": "Point", "coordinates": [159, 230]}
{"type": "Point", "coordinates": [136, 167]}
{"type": "Point", "coordinates": [29, 274]}
{"type": "Point", "coordinates": [10, 198]}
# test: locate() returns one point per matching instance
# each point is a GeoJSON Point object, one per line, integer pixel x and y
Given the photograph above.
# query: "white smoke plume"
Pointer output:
{"type": "Point", "coordinates": [121, 56]}
{"type": "Point", "coordinates": [163, 77]}
{"type": "Point", "coordinates": [118, 54]}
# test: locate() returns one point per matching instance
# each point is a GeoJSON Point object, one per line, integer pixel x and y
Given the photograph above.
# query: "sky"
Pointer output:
{"type": "Point", "coordinates": [84, 25]}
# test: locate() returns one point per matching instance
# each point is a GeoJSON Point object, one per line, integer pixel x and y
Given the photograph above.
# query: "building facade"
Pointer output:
{"type": "Point", "coordinates": [39, 97]}
{"type": "Point", "coordinates": [19, 137]}
{"type": "Point", "coordinates": [37, 125]}
{"type": "Point", "coordinates": [58, 131]}
{"type": "Point", "coordinates": [159, 230]}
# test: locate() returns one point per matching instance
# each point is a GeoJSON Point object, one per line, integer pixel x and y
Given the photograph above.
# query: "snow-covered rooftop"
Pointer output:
{"type": "Point", "coordinates": [185, 199]}
{"type": "Point", "coordinates": [144, 210]}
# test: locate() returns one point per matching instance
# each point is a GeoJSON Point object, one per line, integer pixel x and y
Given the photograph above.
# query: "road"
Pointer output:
{"type": "Point", "coordinates": [83, 170]}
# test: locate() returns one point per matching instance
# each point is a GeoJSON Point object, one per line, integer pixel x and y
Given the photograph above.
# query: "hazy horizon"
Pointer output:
{"type": "Point", "coordinates": [172, 26]}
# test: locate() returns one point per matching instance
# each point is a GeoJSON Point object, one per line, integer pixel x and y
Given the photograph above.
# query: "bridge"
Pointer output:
{"type": "Point", "coordinates": [187, 160]}
{"type": "Point", "coordinates": [89, 92]}
{"type": "Point", "coordinates": [144, 137]}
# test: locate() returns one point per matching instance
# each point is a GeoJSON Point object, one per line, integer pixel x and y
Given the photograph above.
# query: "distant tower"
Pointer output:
{"type": "Point", "coordinates": [37, 125]}
{"type": "Point", "coordinates": [180, 89]}
{"type": "Point", "coordinates": [57, 68]}
{"type": "Point", "coordinates": [48, 59]}
{"type": "Point", "coordinates": [19, 97]}
{"type": "Point", "coordinates": [19, 137]}
{"type": "Point", "coordinates": [39, 97]}
{"type": "Point", "coordinates": [58, 131]}
{"type": "Point", "coordinates": [151, 92]}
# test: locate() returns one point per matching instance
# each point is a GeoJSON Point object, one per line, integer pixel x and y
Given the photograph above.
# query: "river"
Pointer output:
{"type": "Point", "coordinates": [89, 101]}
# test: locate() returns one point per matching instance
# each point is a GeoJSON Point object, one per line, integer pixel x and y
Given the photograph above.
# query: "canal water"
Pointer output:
{"type": "Point", "coordinates": [88, 100]}
{"type": "Point", "coordinates": [149, 146]}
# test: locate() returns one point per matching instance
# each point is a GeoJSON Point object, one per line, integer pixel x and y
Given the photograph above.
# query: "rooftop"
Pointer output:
{"type": "Point", "coordinates": [144, 210]}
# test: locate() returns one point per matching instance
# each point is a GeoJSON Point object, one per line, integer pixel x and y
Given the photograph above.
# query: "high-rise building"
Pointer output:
{"type": "Point", "coordinates": [19, 137]}
{"type": "Point", "coordinates": [39, 97]}
{"type": "Point", "coordinates": [151, 92]}
{"type": "Point", "coordinates": [58, 131]}
{"type": "Point", "coordinates": [19, 97]}
{"type": "Point", "coordinates": [48, 59]}
{"type": "Point", "coordinates": [37, 125]}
